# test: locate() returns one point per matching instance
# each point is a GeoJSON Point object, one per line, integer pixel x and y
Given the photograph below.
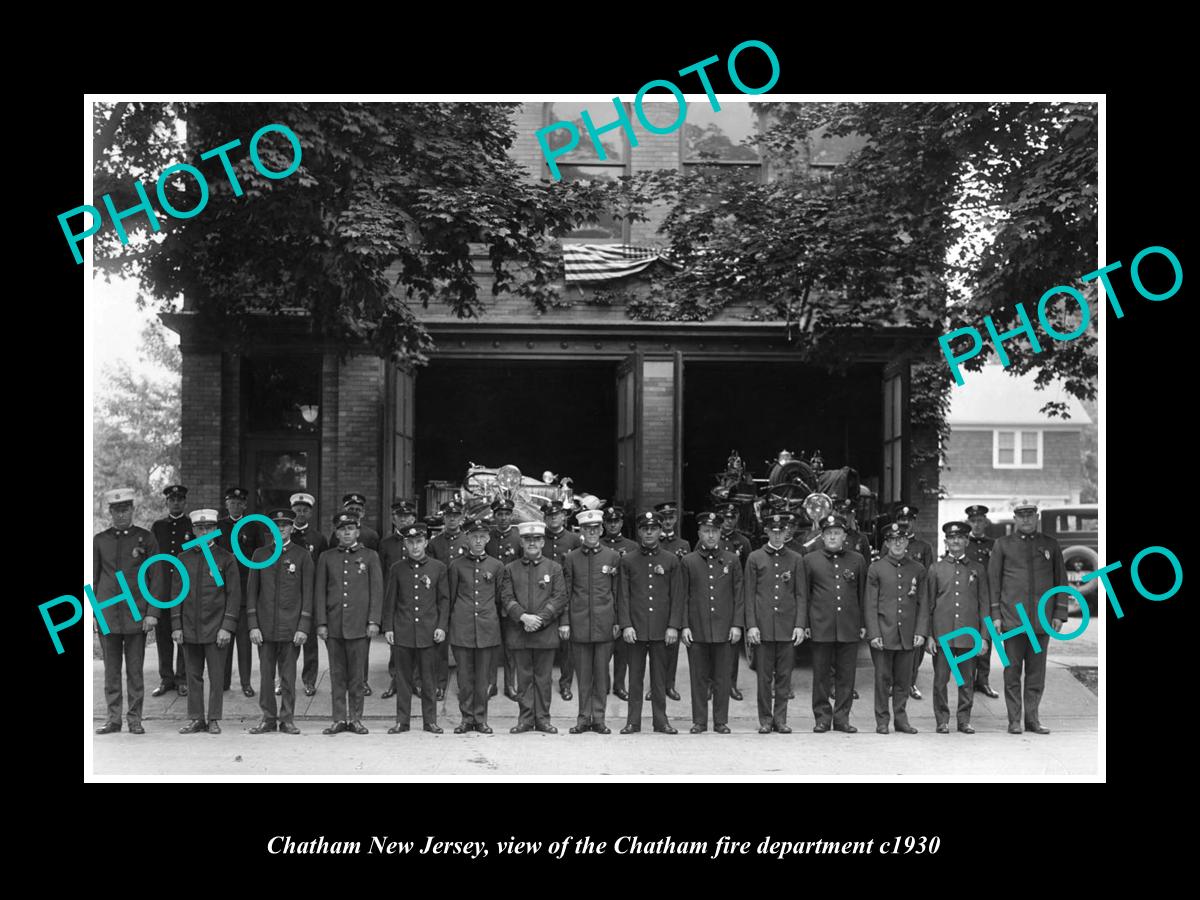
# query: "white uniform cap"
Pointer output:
{"type": "Point", "coordinates": [203, 516]}
{"type": "Point", "coordinates": [118, 495]}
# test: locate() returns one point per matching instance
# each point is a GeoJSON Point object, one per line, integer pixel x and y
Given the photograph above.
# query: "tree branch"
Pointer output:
{"type": "Point", "coordinates": [110, 128]}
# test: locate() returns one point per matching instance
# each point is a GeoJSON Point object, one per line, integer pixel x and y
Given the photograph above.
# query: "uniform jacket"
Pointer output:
{"type": "Point", "coordinates": [446, 547]}
{"type": "Point", "coordinates": [312, 539]}
{"type": "Point", "coordinates": [172, 532]}
{"type": "Point", "coordinates": [348, 593]}
{"type": "Point", "coordinates": [559, 545]}
{"type": "Point", "coordinates": [209, 607]}
{"type": "Point", "coordinates": [505, 545]}
{"type": "Point", "coordinates": [980, 549]}
{"type": "Point", "coordinates": [837, 587]}
{"type": "Point", "coordinates": [417, 601]}
{"type": "Point", "coordinates": [592, 582]}
{"type": "Point", "coordinates": [737, 544]}
{"type": "Point", "coordinates": [124, 551]}
{"type": "Point", "coordinates": [712, 590]}
{"type": "Point", "coordinates": [279, 598]}
{"type": "Point", "coordinates": [675, 544]}
{"type": "Point", "coordinates": [620, 543]}
{"type": "Point", "coordinates": [475, 601]}
{"type": "Point", "coordinates": [391, 551]}
{"type": "Point", "coordinates": [250, 538]}
{"type": "Point", "coordinates": [958, 597]}
{"type": "Point", "coordinates": [922, 552]}
{"type": "Point", "coordinates": [536, 588]}
{"type": "Point", "coordinates": [651, 593]}
{"type": "Point", "coordinates": [1021, 569]}
{"type": "Point", "coordinates": [773, 592]}
{"type": "Point", "coordinates": [896, 607]}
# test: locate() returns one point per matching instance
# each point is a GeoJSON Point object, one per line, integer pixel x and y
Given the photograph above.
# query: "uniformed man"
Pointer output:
{"type": "Point", "coordinates": [650, 613]}
{"type": "Point", "coordinates": [738, 543]}
{"type": "Point", "coordinates": [122, 548]}
{"type": "Point", "coordinates": [348, 609]}
{"type": "Point", "coordinates": [979, 548]}
{"type": "Point", "coordinates": [831, 612]}
{"type": "Point", "coordinates": [532, 593]}
{"type": "Point", "coordinates": [446, 546]}
{"type": "Point", "coordinates": [205, 622]}
{"type": "Point", "coordinates": [895, 613]}
{"type": "Point", "coordinates": [855, 539]}
{"type": "Point", "coordinates": [505, 545]}
{"type": "Point", "coordinates": [589, 619]}
{"type": "Point", "coordinates": [416, 613]}
{"type": "Point", "coordinates": [904, 515]}
{"type": "Point", "coordinates": [279, 607]}
{"type": "Point", "coordinates": [171, 533]}
{"type": "Point", "coordinates": [356, 505]}
{"type": "Point", "coordinates": [672, 543]}
{"type": "Point", "coordinates": [957, 596]}
{"type": "Point", "coordinates": [772, 597]}
{"type": "Point", "coordinates": [1024, 565]}
{"type": "Point", "coordinates": [559, 542]}
{"type": "Point", "coordinates": [391, 551]}
{"type": "Point", "coordinates": [250, 537]}
{"type": "Point", "coordinates": [713, 613]}
{"type": "Point", "coordinates": [614, 521]}
{"type": "Point", "coordinates": [475, 625]}
{"type": "Point", "coordinates": [304, 534]}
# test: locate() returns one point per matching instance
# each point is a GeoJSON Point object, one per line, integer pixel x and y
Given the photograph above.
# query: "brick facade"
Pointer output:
{"type": "Point", "coordinates": [200, 429]}
{"type": "Point", "coordinates": [658, 432]}
{"type": "Point", "coordinates": [969, 466]}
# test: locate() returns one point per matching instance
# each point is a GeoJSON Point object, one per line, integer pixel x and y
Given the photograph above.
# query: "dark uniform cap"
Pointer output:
{"type": "Point", "coordinates": [451, 507]}
{"type": "Point", "coordinates": [709, 518]}
{"type": "Point", "coordinates": [412, 531]}
{"type": "Point", "coordinates": [478, 525]}
{"type": "Point", "coordinates": [895, 530]}
{"type": "Point", "coordinates": [777, 520]}
{"type": "Point", "coordinates": [648, 518]}
{"type": "Point", "coordinates": [354, 498]}
{"type": "Point", "coordinates": [405, 507]}
{"type": "Point", "coordinates": [977, 510]}
{"type": "Point", "coordinates": [613, 514]}
{"type": "Point", "coordinates": [237, 493]}
{"type": "Point", "coordinates": [554, 506]}
{"type": "Point", "coordinates": [904, 511]}
{"type": "Point", "coordinates": [959, 529]}
{"type": "Point", "coordinates": [283, 515]}
{"type": "Point", "coordinates": [833, 520]}
{"type": "Point", "coordinates": [174, 490]}
{"type": "Point", "coordinates": [502, 503]}
{"type": "Point", "coordinates": [668, 508]}
{"type": "Point", "coordinates": [344, 518]}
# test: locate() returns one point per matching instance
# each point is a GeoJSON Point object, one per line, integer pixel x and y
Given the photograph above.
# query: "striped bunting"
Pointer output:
{"type": "Point", "coordinates": [606, 262]}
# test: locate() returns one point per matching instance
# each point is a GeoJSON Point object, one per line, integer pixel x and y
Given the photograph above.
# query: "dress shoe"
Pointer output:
{"type": "Point", "coordinates": [721, 729]}
{"type": "Point", "coordinates": [580, 729]}
{"type": "Point", "coordinates": [288, 728]}
{"type": "Point", "coordinates": [853, 694]}
{"type": "Point", "coordinates": [520, 728]}
{"type": "Point", "coordinates": [943, 729]}
{"type": "Point", "coordinates": [1037, 729]}
{"type": "Point", "coordinates": [214, 727]}
{"type": "Point", "coordinates": [247, 690]}
{"type": "Point", "coordinates": [397, 729]}
{"type": "Point", "coordinates": [622, 694]}
{"type": "Point", "coordinates": [388, 693]}
{"type": "Point", "coordinates": [359, 728]}
{"type": "Point", "coordinates": [882, 729]}
{"type": "Point", "coordinates": [263, 727]}
{"type": "Point", "coordinates": [278, 690]}
{"type": "Point", "coordinates": [765, 729]}
{"type": "Point", "coordinates": [367, 692]}
{"type": "Point", "coordinates": [160, 690]}
{"type": "Point", "coordinates": [914, 692]}
{"type": "Point", "coordinates": [546, 728]}
{"type": "Point", "coordinates": [820, 728]}
{"type": "Point", "coordinates": [193, 727]}
{"type": "Point", "coordinates": [1015, 729]}
{"type": "Point", "coordinates": [441, 694]}
{"type": "Point", "coordinates": [464, 727]}
{"type": "Point", "coordinates": [649, 695]}
{"type": "Point", "coordinates": [113, 727]}
{"type": "Point", "coordinates": [906, 728]}
{"type": "Point", "coordinates": [601, 729]}
{"type": "Point", "coordinates": [734, 693]}
{"type": "Point", "coordinates": [631, 729]}
{"type": "Point", "coordinates": [848, 729]}
{"type": "Point", "coordinates": [672, 693]}
{"type": "Point", "coordinates": [966, 729]}
{"type": "Point", "coordinates": [987, 690]}
{"type": "Point", "coordinates": [783, 729]}
{"type": "Point", "coordinates": [417, 690]}
{"type": "Point", "coordinates": [181, 689]}
{"type": "Point", "coordinates": [136, 728]}
{"type": "Point", "coordinates": [431, 727]}
{"type": "Point", "coordinates": [493, 691]}
{"type": "Point", "coordinates": [309, 690]}
{"type": "Point", "coordinates": [566, 693]}
{"type": "Point", "coordinates": [227, 686]}
{"type": "Point", "coordinates": [698, 729]}
{"type": "Point", "coordinates": [667, 729]}
{"type": "Point", "coordinates": [336, 728]}
{"type": "Point", "coordinates": [485, 728]}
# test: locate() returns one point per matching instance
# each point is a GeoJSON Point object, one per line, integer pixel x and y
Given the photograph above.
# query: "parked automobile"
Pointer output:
{"type": "Point", "coordinates": [1077, 530]}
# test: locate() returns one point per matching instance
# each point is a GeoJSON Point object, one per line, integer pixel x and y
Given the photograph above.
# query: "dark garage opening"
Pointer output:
{"type": "Point", "coordinates": [535, 415]}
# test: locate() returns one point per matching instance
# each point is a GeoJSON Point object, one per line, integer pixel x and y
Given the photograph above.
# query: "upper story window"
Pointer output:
{"type": "Point", "coordinates": [1016, 449]}
{"type": "Point", "coordinates": [583, 163]}
{"type": "Point", "coordinates": [712, 139]}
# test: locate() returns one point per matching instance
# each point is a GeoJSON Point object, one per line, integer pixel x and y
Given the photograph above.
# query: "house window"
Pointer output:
{"type": "Point", "coordinates": [584, 164]}
{"type": "Point", "coordinates": [712, 140]}
{"type": "Point", "coordinates": [1016, 449]}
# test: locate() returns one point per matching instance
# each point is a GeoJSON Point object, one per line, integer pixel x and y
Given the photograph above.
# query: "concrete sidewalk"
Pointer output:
{"type": "Point", "coordinates": [1068, 708]}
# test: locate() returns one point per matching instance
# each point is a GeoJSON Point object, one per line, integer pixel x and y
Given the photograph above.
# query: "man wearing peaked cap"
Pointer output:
{"type": "Point", "coordinates": [391, 551]}
{"type": "Point", "coordinates": [250, 537]}
{"type": "Point", "coordinates": [306, 535]}
{"type": "Point", "coordinates": [446, 547]}
{"type": "Point", "coordinates": [979, 548]}
{"type": "Point", "coordinates": [171, 532]}
{"type": "Point", "coordinates": [117, 554]}
{"type": "Point", "coordinates": [672, 543]}
{"type": "Point", "coordinates": [474, 590]}
{"type": "Point", "coordinates": [613, 521]}
{"type": "Point", "coordinates": [355, 504]}
{"type": "Point", "coordinates": [505, 545]}
{"type": "Point", "coordinates": [559, 542]}
{"type": "Point", "coordinates": [738, 543]}
{"type": "Point", "coordinates": [904, 515]}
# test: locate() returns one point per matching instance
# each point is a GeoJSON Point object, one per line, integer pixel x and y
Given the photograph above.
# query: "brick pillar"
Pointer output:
{"type": "Point", "coordinates": [360, 383]}
{"type": "Point", "coordinates": [200, 429]}
{"type": "Point", "coordinates": [231, 428]}
{"type": "Point", "coordinates": [658, 431]}
{"type": "Point", "coordinates": [329, 499]}
{"type": "Point", "coordinates": [654, 152]}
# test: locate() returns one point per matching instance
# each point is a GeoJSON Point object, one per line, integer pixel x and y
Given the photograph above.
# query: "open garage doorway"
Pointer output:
{"type": "Point", "coordinates": [537, 415]}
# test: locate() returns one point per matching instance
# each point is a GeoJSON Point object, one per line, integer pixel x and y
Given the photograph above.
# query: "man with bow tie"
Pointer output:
{"type": "Point", "coordinates": [559, 542]}
{"type": "Point", "coordinates": [1024, 565]}
{"type": "Point", "coordinates": [979, 548]}
{"type": "Point", "coordinates": [474, 581]}
{"type": "Point", "coordinates": [171, 532]}
{"type": "Point", "coordinates": [304, 534]}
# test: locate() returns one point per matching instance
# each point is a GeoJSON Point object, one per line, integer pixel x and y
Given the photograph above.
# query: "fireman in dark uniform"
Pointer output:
{"type": "Point", "coordinates": [712, 622]}
{"type": "Point", "coordinates": [249, 538]}
{"type": "Point", "coordinates": [672, 543]}
{"type": "Point", "coordinates": [979, 548]}
{"type": "Point", "coordinates": [957, 597]}
{"type": "Point", "coordinates": [356, 505]}
{"type": "Point", "coordinates": [416, 613]}
{"type": "Point", "coordinates": [650, 613]}
{"type": "Point", "coordinates": [614, 521]}
{"type": "Point", "coordinates": [559, 542]}
{"type": "Point", "coordinates": [279, 602]}
{"type": "Point", "coordinates": [738, 543]}
{"type": "Point", "coordinates": [772, 597]}
{"type": "Point", "coordinates": [922, 552]}
{"type": "Point", "coordinates": [855, 539]}
{"type": "Point", "coordinates": [831, 612]}
{"type": "Point", "coordinates": [171, 533]}
{"type": "Point", "coordinates": [505, 545]}
{"type": "Point", "coordinates": [895, 614]}
{"type": "Point", "coordinates": [446, 546]}
{"type": "Point", "coordinates": [307, 535]}
{"type": "Point", "coordinates": [589, 619]}
{"type": "Point", "coordinates": [347, 610]}
{"type": "Point", "coordinates": [475, 625]}
{"type": "Point", "coordinates": [1024, 565]}
{"type": "Point", "coordinates": [391, 551]}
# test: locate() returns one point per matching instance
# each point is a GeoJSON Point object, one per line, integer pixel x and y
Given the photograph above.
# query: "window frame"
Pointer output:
{"type": "Point", "coordinates": [761, 165]}
{"type": "Point", "coordinates": [625, 165]}
{"type": "Point", "coordinates": [1018, 446]}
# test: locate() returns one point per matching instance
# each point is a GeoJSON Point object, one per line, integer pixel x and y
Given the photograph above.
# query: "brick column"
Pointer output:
{"type": "Point", "coordinates": [360, 384]}
{"type": "Point", "coordinates": [200, 429]}
{"type": "Point", "coordinates": [231, 428]}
